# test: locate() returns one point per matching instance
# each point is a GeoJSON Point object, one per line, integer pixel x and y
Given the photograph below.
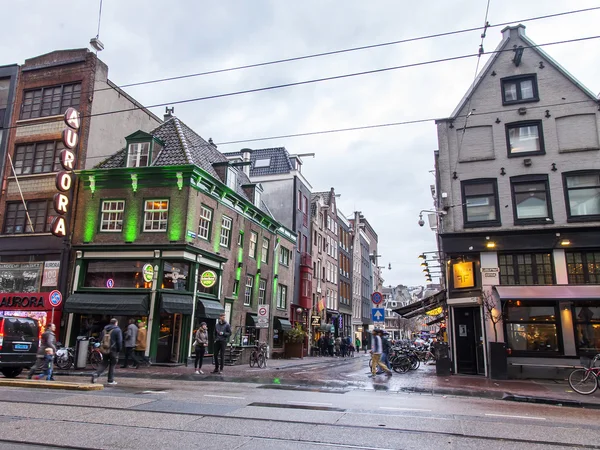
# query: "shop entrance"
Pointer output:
{"type": "Point", "coordinates": [169, 338]}
{"type": "Point", "coordinates": [469, 341]}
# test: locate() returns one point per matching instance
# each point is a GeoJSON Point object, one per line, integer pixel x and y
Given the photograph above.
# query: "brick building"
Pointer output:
{"type": "Point", "coordinates": [345, 274]}
{"type": "Point", "coordinates": [33, 262]}
{"type": "Point", "coordinates": [171, 232]}
{"type": "Point", "coordinates": [518, 177]}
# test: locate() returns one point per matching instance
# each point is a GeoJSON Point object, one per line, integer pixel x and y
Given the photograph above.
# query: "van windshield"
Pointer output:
{"type": "Point", "coordinates": [19, 328]}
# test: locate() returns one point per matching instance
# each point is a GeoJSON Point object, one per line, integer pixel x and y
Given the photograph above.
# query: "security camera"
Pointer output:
{"type": "Point", "coordinates": [421, 221]}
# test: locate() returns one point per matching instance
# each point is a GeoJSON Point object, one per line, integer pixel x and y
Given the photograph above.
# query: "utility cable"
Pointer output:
{"type": "Point", "coordinates": [21, 193]}
{"type": "Point", "coordinates": [317, 80]}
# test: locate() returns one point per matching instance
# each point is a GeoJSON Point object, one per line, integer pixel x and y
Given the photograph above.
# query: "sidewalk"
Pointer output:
{"type": "Point", "coordinates": [351, 373]}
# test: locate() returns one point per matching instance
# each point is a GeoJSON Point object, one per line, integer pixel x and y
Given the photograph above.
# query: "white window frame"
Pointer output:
{"type": "Point", "coordinates": [256, 198]}
{"type": "Point", "coordinates": [252, 246]}
{"type": "Point", "coordinates": [264, 253]}
{"type": "Point", "coordinates": [262, 291]}
{"type": "Point", "coordinates": [231, 178]}
{"type": "Point", "coordinates": [226, 225]}
{"type": "Point", "coordinates": [151, 218]}
{"type": "Point", "coordinates": [284, 256]}
{"type": "Point", "coordinates": [281, 296]}
{"type": "Point", "coordinates": [205, 222]}
{"type": "Point", "coordinates": [248, 290]}
{"type": "Point", "coordinates": [111, 220]}
{"type": "Point", "coordinates": [136, 152]}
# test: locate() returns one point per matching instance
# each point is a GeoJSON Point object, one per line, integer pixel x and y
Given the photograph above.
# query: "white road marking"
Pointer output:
{"type": "Point", "coordinates": [309, 403]}
{"type": "Point", "coordinates": [404, 409]}
{"type": "Point", "coordinates": [224, 396]}
{"type": "Point", "coordinates": [516, 417]}
{"type": "Point", "coordinates": [400, 415]}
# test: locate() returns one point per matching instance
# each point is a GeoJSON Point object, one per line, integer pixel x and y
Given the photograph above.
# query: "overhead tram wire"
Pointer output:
{"type": "Point", "coordinates": [316, 80]}
{"type": "Point", "coordinates": [352, 49]}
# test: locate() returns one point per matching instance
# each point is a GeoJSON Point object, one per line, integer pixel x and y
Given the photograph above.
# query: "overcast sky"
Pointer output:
{"type": "Point", "coordinates": [382, 172]}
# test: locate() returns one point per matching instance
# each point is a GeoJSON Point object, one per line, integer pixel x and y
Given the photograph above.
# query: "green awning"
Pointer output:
{"type": "Point", "coordinates": [176, 303]}
{"type": "Point", "coordinates": [282, 324]}
{"type": "Point", "coordinates": [209, 309]}
{"type": "Point", "coordinates": [99, 303]}
{"type": "Point", "coordinates": [251, 320]}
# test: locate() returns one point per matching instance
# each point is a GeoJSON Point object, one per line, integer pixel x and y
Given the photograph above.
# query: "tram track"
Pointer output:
{"type": "Point", "coordinates": [242, 433]}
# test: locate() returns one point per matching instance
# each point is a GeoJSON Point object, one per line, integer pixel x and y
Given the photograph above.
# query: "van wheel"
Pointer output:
{"type": "Point", "coordinates": [12, 373]}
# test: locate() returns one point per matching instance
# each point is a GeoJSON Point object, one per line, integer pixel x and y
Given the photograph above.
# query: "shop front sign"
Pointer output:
{"type": "Point", "coordinates": [35, 300]}
{"type": "Point", "coordinates": [51, 269]}
{"type": "Point", "coordinates": [65, 178]}
{"type": "Point", "coordinates": [315, 321]}
{"type": "Point", "coordinates": [463, 275]}
{"type": "Point", "coordinates": [208, 278]}
{"type": "Point", "coordinates": [148, 272]}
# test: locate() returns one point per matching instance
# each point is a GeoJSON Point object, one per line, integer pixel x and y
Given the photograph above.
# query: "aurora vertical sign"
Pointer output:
{"type": "Point", "coordinates": [64, 178]}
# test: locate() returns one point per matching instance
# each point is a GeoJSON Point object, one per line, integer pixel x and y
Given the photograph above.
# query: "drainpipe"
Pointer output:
{"type": "Point", "coordinates": [151, 314]}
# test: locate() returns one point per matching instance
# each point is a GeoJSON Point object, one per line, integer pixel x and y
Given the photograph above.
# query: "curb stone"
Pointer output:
{"type": "Point", "coordinates": [42, 384]}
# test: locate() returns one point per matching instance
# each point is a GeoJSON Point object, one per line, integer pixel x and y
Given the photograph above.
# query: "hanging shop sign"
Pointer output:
{"type": "Point", "coordinates": [463, 275]}
{"type": "Point", "coordinates": [315, 321]}
{"type": "Point", "coordinates": [435, 312]}
{"type": "Point", "coordinates": [148, 272]}
{"type": "Point", "coordinates": [208, 278]}
{"type": "Point", "coordinates": [65, 178]}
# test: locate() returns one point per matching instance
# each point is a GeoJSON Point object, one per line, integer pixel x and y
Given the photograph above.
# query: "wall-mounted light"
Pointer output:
{"type": "Point", "coordinates": [179, 180]}
{"type": "Point", "coordinates": [490, 244]}
{"type": "Point", "coordinates": [92, 180]}
{"type": "Point", "coordinates": [134, 182]}
{"type": "Point", "coordinates": [424, 264]}
{"type": "Point", "coordinates": [565, 242]}
{"type": "Point", "coordinates": [422, 256]}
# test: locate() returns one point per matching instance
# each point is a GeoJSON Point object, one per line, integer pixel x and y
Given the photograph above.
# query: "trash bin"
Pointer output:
{"type": "Point", "coordinates": [81, 352]}
{"type": "Point", "coordinates": [442, 359]}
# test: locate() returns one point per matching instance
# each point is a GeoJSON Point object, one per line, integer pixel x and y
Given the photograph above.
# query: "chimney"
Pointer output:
{"type": "Point", "coordinates": [246, 152]}
{"type": "Point", "coordinates": [210, 141]}
{"type": "Point", "coordinates": [513, 32]}
{"type": "Point", "coordinates": [168, 113]}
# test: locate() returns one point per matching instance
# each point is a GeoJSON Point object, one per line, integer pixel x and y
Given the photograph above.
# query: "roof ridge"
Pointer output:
{"type": "Point", "coordinates": [183, 141]}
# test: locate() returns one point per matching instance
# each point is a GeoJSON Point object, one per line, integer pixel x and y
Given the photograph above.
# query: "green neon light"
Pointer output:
{"type": "Point", "coordinates": [176, 218]}
{"type": "Point", "coordinates": [275, 270]}
{"type": "Point", "coordinates": [132, 221]}
{"type": "Point", "coordinates": [217, 236]}
{"type": "Point", "coordinates": [91, 216]}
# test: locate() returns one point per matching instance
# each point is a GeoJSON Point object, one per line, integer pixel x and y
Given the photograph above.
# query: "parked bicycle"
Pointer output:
{"type": "Point", "coordinates": [65, 356]}
{"type": "Point", "coordinates": [587, 380]}
{"type": "Point", "coordinates": [259, 355]}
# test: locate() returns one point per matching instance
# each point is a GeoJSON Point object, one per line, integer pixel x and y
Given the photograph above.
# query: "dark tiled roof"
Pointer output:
{"type": "Point", "coordinates": [326, 196]}
{"type": "Point", "coordinates": [279, 161]}
{"type": "Point", "coordinates": [183, 146]}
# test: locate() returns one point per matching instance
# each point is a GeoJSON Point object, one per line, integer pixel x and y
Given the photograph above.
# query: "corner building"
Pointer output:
{"type": "Point", "coordinates": [171, 232]}
{"type": "Point", "coordinates": [518, 177]}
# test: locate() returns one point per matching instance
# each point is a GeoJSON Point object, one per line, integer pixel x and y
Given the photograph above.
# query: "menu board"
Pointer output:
{"type": "Point", "coordinates": [20, 277]}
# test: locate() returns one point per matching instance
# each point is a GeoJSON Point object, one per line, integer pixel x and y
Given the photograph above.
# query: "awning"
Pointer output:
{"type": "Point", "coordinates": [557, 292]}
{"type": "Point", "coordinates": [251, 320]}
{"type": "Point", "coordinates": [209, 309]}
{"type": "Point", "coordinates": [99, 303]}
{"type": "Point", "coordinates": [422, 306]}
{"type": "Point", "coordinates": [176, 303]}
{"type": "Point", "coordinates": [282, 324]}
{"type": "Point", "coordinates": [325, 327]}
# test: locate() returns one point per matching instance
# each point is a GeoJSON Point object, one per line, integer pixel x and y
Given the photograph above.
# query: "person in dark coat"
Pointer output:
{"type": "Point", "coordinates": [110, 355]}
{"type": "Point", "coordinates": [48, 341]}
{"type": "Point", "coordinates": [222, 333]}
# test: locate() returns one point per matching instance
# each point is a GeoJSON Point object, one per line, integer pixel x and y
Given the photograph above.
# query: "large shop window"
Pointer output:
{"type": "Point", "coordinates": [118, 274]}
{"type": "Point", "coordinates": [21, 277]}
{"type": "Point", "coordinates": [583, 267]}
{"type": "Point", "coordinates": [587, 328]}
{"type": "Point", "coordinates": [175, 275]}
{"type": "Point", "coordinates": [17, 222]}
{"type": "Point", "coordinates": [582, 192]}
{"type": "Point", "coordinates": [531, 328]}
{"type": "Point", "coordinates": [40, 157]}
{"type": "Point", "coordinates": [480, 203]}
{"type": "Point", "coordinates": [531, 199]}
{"type": "Point", "coordinates": [50, 101]}
{"type": "Point", "coordinates": [527, 268]}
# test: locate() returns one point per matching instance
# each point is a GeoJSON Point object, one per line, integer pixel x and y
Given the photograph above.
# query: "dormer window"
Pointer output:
{"type": "Point", "coordinates": [231, 178]}
{"type": "Point", "coordinates": [256, 198]}
{"type": "Point", "coordinates": [265, 162]}
{"type": "Point", "coordinates": [138, 154]}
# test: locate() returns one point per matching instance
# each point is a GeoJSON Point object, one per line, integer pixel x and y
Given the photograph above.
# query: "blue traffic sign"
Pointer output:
{"type": "Point", "coordinates": [55, 298]}
{"type": "Point", "coordinates": [376, 298]}
{"type": "Point", "coordinates": [378, 314]}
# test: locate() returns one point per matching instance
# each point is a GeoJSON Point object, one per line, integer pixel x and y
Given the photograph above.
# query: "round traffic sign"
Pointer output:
{"type": "Point", "coordinates": [262, 311]}
{"type": "Point", "coordinates": [55, 298]}
{"type": "Point", "coordinates": [376, 298]}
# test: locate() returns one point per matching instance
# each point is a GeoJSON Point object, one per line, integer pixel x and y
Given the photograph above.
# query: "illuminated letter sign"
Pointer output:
{"type": "Point", "coordinates": [64, 179]}
{"type": "Point", "coordinates": [463, 275]}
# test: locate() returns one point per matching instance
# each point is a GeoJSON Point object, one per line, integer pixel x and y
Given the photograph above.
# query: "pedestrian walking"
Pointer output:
{"type": "Point", "coordinates": [48, 340]}
{"type": "Point", "coordinates": [222, 333]}
{"type": "Point", "coordinates": [130, 342]}
{"type": "Point", "coordinates": [343, 347]}
{"type": "Point", "coordinates": [47, 367]}
{"type": "Point", "coordinates": [385, 345]}
{"type": "Point", "coordinates": [330, 344]}
{"type": "Point", "coordinates": [200, 344]}
{"type": "Point", "coordinates": [338, 346]}
{"type": "Point", "coordinates": [357, 345]}
{"type": "Point", "coordinates": [111, 345]}
{"type": "Point", "coordinates": [323, 346]}
{"type": "Point", "coordinates": [376, 352]}
{"type": "Point", "coordinates": [140, 343]}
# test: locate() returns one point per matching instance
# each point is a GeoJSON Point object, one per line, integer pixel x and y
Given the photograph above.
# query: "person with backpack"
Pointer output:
{"type": "Point", "coordinates": [111, 344]}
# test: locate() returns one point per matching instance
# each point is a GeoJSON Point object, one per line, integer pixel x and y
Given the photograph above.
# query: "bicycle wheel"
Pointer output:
{"type": "Point", "coordinates": [252, 359]}
{"type": "Point", "coordinates": [64, 362]}
{"type": "Point", "coordinates": [583, 381]}
{"type": "Point", "coordinates": [414, 363]}
{"type": "Point", "coordinates": [401, 365]}
{"type": "Point", "coordinates": [96, 359]}
{"type": "Point", "coordinates": [261, 360]}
